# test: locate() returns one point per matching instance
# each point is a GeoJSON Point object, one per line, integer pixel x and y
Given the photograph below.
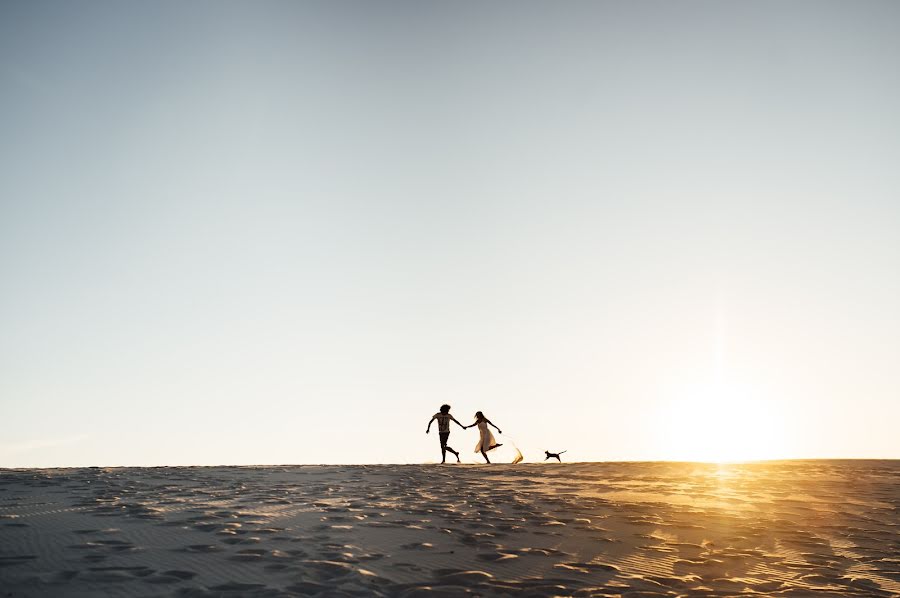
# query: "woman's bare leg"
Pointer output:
{"type": "Point", "coordinates": [484, 454]}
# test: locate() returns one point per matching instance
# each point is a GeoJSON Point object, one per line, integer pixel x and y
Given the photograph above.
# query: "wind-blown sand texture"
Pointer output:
{"type": "Point", "coordinates": [824, 528]}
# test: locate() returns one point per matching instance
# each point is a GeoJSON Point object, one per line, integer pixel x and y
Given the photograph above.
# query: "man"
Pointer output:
{"type": "Point", "coordinates": [443, 417]}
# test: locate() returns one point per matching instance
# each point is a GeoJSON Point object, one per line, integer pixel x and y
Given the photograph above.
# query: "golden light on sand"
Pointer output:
{"type": "Point", "coordinates": [798, 528]}
{"type": "Point", "coordinates": [721, 422]}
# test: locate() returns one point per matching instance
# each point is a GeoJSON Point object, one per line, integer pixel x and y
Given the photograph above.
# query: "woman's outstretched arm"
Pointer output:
{"type": "Point", "coordinates": [499, 431]}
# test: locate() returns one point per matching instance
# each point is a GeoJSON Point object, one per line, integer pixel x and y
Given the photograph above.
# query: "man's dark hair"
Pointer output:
{"type": "Point", "coordinates": [445, 408]}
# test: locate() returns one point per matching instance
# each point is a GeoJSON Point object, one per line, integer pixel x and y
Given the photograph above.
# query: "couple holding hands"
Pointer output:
{"type": "Point", "coordinates": [486, 441]}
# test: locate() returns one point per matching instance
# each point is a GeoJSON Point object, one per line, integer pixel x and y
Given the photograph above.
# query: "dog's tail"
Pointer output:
{"type": "Point", "coordinates": [561, 452]}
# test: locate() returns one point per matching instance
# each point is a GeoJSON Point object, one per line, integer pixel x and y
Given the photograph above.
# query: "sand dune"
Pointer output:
{"type": "Point", "coordinates": [825, 528]}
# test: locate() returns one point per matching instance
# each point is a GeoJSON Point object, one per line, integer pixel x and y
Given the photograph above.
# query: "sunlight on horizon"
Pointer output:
{"type": "Point", "coordinates": [721, 423]}
{"type": "Point", "coordinates": [721, 420]}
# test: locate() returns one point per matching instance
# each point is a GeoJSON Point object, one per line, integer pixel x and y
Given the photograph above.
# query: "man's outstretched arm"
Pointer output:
{"type": "Point", "coordinates": [428, 429]}
{"type": "Point", "coordinates": [457, 423]}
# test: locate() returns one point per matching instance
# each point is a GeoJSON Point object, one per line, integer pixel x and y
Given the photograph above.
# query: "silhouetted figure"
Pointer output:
{"type": "Point", "coordinates": [486, 441]}
{"type": "Point", "coordinates": [552, 455]}
{"type": "Point", "coordinates": [444, 418]}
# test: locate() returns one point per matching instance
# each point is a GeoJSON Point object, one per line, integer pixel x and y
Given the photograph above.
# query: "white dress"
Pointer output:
{"type": "Point", "coordinates": [486, 442]}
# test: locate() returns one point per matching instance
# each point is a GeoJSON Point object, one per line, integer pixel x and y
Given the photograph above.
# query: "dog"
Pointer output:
{"type": "Point", "coordinates": [553, 455]}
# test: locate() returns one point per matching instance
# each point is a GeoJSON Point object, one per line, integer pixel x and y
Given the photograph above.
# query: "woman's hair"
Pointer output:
{"type": "Point", "coordinates": [445, 408]}
{"type": "Point", "coordinates": [479, 415]}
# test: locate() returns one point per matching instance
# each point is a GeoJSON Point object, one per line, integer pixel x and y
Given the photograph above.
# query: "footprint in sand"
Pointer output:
{"type": "Point", "coordinates": [235, 541]}
{"type": "Point", "coordinates": [169, 577]}
{"type": "Point", "coordinates": [249, 555]}
{"type": "Point", "coordinates": [201, 548]}
{"type": "Point", "coordinates": [115, 574]}
{"type": "Point", "coordinates": [462, 577]}
{"type": "Point", "coordinates": [8, 561]}
{"type": "Point", "coordinates": [417, 546]}
{"type": "Point", "coordinates": [496, 557]}
{"type": "Point", "coordinates": [237, 588]}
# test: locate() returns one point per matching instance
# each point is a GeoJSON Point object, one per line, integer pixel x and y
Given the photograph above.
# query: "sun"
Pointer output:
{"type": "Point", "coordinates": [720, 422]}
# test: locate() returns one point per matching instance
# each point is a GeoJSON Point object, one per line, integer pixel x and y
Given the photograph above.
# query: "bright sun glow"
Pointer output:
{"type": "Point", "coordinates": [721, 422]}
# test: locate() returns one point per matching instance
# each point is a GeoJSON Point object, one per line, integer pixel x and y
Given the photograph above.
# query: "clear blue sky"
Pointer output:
{"type": "Point", "coordinates": [285, 232]}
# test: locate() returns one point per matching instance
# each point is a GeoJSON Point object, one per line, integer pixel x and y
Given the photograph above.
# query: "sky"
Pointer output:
{"type": "Point", "coordinates": [287, 232]}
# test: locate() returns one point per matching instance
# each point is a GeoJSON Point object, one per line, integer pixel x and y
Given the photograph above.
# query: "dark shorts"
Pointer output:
{"type": "Point", "coordinates": [444, 436]}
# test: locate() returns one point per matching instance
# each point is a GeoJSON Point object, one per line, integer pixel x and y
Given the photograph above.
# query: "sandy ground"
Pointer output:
{"type": "Point", "coordinates": [634, 529]}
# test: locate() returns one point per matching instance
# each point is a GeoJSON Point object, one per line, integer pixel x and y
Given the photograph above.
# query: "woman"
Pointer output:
{"type": "Point", "coordinates": [486, 442]}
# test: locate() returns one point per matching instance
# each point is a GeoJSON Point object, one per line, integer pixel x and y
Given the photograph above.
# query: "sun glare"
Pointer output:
{"type": "Point", "coordinates": [721, 423]}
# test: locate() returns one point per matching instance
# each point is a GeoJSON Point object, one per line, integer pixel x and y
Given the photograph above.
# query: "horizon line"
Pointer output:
{"type": "Point", "coordinates": [429, 463]}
